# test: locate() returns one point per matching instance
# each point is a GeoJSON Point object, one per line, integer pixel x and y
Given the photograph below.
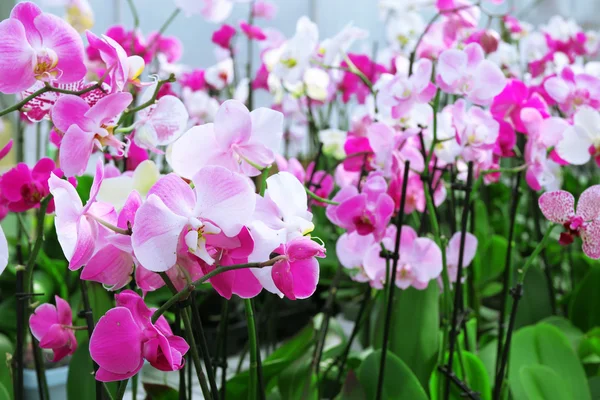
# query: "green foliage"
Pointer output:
{"type": "Point", "coordinates": [399, 381]}
{"type": "Point", "coordinates": [474, 375]}
{"type": "Point", "coordinates": [585, 302]}
{"type": "Point", "coordinates": [414, 331]}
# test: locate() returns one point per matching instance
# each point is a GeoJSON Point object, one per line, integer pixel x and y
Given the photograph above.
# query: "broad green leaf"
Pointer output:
{"type": "Point", "coordinates": [352, 389]}
{"type": "Point", "coordinates": [572, 333]}
{"type": "Point", "coordinates": [399, 382]}
{"type": "Point", "coordinates": [414, 329]}
{"type": "Point", "coordinates": [487, 355]}
{"type": "Point", "coordinates": [534, 306]}
{"type": "Point", "coordinates": [589, 346]}
{"type": "Point", "coordinates": [160, 392]}
{"type": "Point", "coordinates": [594, 383]}
{"type": "Point", "coordinates": [6, 348]}
{"type": "Point", "coordinates": [4, 395]}
{"type": "Point", "coordinates": [585, 302]}
{"type": "Point", "coordinates": [492, 259]}
{"type": "Point", "coordinates": [544, 344]}
{"type": "Point", "coordinates": [491, 289]}
{"type": "Point", "coordinates": [476, 378]}
{"type": "Point", "coordinates": [298, 381]}
{"type": "Point", "coordinates": [542, 383]}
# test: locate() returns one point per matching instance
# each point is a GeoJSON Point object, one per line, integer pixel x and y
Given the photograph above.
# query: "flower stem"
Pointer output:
{"type": "Point", "coordinates": [253, 345]}
{"type": "Point", "coordinates": [121, 389]}
{"type": "Point", "coordinates": [195, 356]}
{"type": "Point", "coordinates": [152, 100]}
{"type": "Point", "coordinates": [89, 320]}
{"type": "Point", "coordinates": [190, 287]}
{"type": "Point", "coordinates": [204, 352]}
{"type": "Point", "coordinates": [391, 279]}
{"type": "Point", "coordinates": [321, 199]}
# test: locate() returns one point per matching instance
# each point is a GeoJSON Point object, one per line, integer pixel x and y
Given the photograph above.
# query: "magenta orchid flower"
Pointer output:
{"type": "Point", "coordinates": [420, 260]}
{"type": "Point", "coordinates": [125, 336]}
{"type": "Point", "coordinates": [239, 140]}
{"type": "Point", "coordinates": [453, 253]}
{"type": "Point", "coordinates": [468, 73]}
{"type": "Point", "coordinates": [401, 93]}
{"type": "Point", "coordinates": [160, 124]}
{"type": "Point", "coordinates": [52, 327]}
{"type": "Point", "coordinates": [121, 69]}
{"type": "Point", "coordinates": [77, 226]}
{"type": "Point", "coordinates": [264, 9]}
{"type": "Point", "coordinates": [232, 251]}
{"type": "Point", "coordinates": [559, 207]}
{"type": "Point", "coordinates": [222, 201]}
{"type": "Point", "coordinates": [3, 242]}
{"type": "Point", "coordinates": [86, 128]}
{"type": "Point", "coordinates": [38, 46]}
{"type": "Point", "coordinates": [351, 84]}
{"type": "Point", "coordinates": [24, 187]}
{"type": "Point", "coordinates": [297, 275]}
{"type": "Point", "coordinates": [223, 36]}
{"type": "Point", "coordinates": [515, 97]}
{"type": "Point", "coordinates": [252, 31]}
{"type": "Point", "coordinates": [367, 212]}
{"type": "Point", "coordinates": [572, 91]}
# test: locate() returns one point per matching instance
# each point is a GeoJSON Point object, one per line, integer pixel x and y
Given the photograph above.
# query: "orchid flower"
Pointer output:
{"type": "Point", "coordinates": [581, 141]}
{"type": "Point", "coordinates": [222, 201]}
{"type": "Point", "coordinates": [52, 327]}
{"type": "Point", "coordinates": [559, 207]}
{"type": "Point", "coordinates": [87, 128]}
{"type": "Point", "coordinates": [239, 140]}
{"type": "Point", "coordinates": [125, 336]}
{"type": "Point", "coordinates": [38, 46]}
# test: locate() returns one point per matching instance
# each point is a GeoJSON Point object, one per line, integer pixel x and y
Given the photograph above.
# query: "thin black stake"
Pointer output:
{"type": "Point", "coordinates": [182, 370]}
{"type": "Point", "coordinates": [223, 330]}
{"type": "Point", "coordinates": [458, 301]}
{"type": "Point", "coordinates": [89, 320]}
{"type": "Point", "coordinates": [40, 369]}
{"type": "Point", "coordinates": [390, 282]}
{"type": "Point", "coordinates": [547, 266]}
{"type": "Point", "coordinates": [204, 352]}
{"type": "Point", "coordinates": [516, 194]}
{"type": "Point", "coordinates": [18, 359]}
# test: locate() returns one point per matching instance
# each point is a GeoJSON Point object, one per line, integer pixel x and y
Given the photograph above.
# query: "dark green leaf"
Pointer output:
{"type": "Point", "coordinates": [414, 329]}
{"type": "Point", "coordinates": [160, 392]}
{"type": "Point", "coordinates": [298, 381]}
{"type": "Point", "coordinates": [534, 306]}
{"type": "Point", "coordinates": [399, 382]}
{"type": "Point", "coordinates": [585, 303]}
{"type": "Point", "coordinates": [6, 349]}
{"type": "Point", "coordinates": [491, 260]}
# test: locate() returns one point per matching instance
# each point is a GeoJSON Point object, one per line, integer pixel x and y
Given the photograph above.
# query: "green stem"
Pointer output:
{"type": "Point", "coordinates": [541, 245]}
{"type": "Point", "coordinates": [263, 181]}
{"type": "Point", "coordinates": [154, 96]}
{"type": "Point", "coordinates": [121, 390]}
{"type": "Point", "coordinates": [321, 199]}
{"type": "Point", "coordinates": [190, 287]}
{"type": "Point", "coordinates": [162, 30]}
{"type": "Point", "coordinates": [253, 345]}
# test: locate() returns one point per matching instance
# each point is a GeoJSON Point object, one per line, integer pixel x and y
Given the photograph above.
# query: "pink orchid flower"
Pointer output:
{"type": "Point", "coordinates": [420, 260]}
{"type": "Point", "coordinates": [298, 274]}
{"type": "Point", "coordinates": [352, 84]}
{"type": "Point", "coordinates": [321, 183]}
{"type": "Point", "coordinates": [542, 134]}
{"type": "Point", "coordinates": [580, 142]}
{"type": "Point", "coordinates": [453, 253]}
{"type": "Point", "coordinates": [239, 140]}
{"type": "Point", "coordinates": [38, 46]}
{"type": "Point", "coordinates": [222, 37]}
{"type": "Point", "coordinates": [252, 31]}
{"type": "Point", "coordinates": [160, 124]}
{"type": "Point", "coordinates": [121, 69]}
{"type": "Point", "coordinates": [367, 212]}
{"type": "Point", "coordinates": [222, 201]}
{"type": "Point", "coordinates": [572, 91]}
{"type": "Point", "coordinates": [77, 226]}
{"type": "Point", "coordinates": [515, 97]}
{"type": "Point", "coordinates": [3, 211]}
{"type": "Point", "coordinates": [350, 249]}
{"type": "Point", "coordinates": [401, 93]}
{"type": "Point", "coordinates": [476, 129]}
{"type": "Point", "coordinates": [215, 11]}
{"type": "Point", "coordinates": [170, 46]}
{"type": "Point", "coordinates": [52, 327]}
{"type": "Point", "coordinates": [86, 128]}
{"type": "Point", "coordinates": [264, 9]}
{"type": "Point", "coordinates": [559, 207]}
{"type": "Point", "coordinates": [468, 73]}
{"type": "Point", "coordinates": [125, 336]}
{"type": "Point", "coordinates": [24, 188]}
{"type": "Point", "coordinates": [113, 263]}
{"type": "Point", "coordinates": [231, 251]}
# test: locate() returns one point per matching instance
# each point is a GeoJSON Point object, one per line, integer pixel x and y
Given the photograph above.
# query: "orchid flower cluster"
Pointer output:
{"type": "Point", "coordinates": [192, 183]}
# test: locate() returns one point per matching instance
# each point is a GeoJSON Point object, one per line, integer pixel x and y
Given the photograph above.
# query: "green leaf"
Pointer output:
{"type": "Point", "coordinates": [6, 349]}
{"type": "Point", "coordinates": [542, 383]}
{"type": "Point", "coordinates": [160, 392]}
{"type": "Point", "coordinates": [352, 389]}
{"type": "Point", "coordinates": [590, 345]}
{"type": "Point", "coordinates": [414, 329]}
{"type": "Point", "coordinates": [544, 344]}
{"type": "Point", "coordinates": [491, 289]}
{"type": "Point", "coordinates": [4, 395]}
{"type": "Point", "coordinates": [84, 184]}
{"type": "Point", "coordinates": [594, 383]}
{"type": "Point", "coordinates": [298, 381]}
{"type": "Point", "coordinates": [399, 382]}
{"type": "Point", "coordinates": [492, 257]}
{"type": "Point", "coordinates": [296, 347]}
{"type": "Point", "coordinates": [476, 378]}
{"type": "Point", "coordinates": [572, 333]}
{"type": "Point", "coordinates": [80, 380]}
{"type": "Point", "coordinates": [585, 302]}
{"type": "Point", "coordinates": [535, 305]}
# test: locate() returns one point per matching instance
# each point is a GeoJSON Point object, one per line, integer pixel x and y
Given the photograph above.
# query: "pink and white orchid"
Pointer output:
{"type": "Point", "coordinates": [38, 46]}
{"type": "Point", "coordinates": [52, 327]}
{"type": "Point", "coordinates": [559, 207]}
{"type": "Point", "coordinates": [239, 140]}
